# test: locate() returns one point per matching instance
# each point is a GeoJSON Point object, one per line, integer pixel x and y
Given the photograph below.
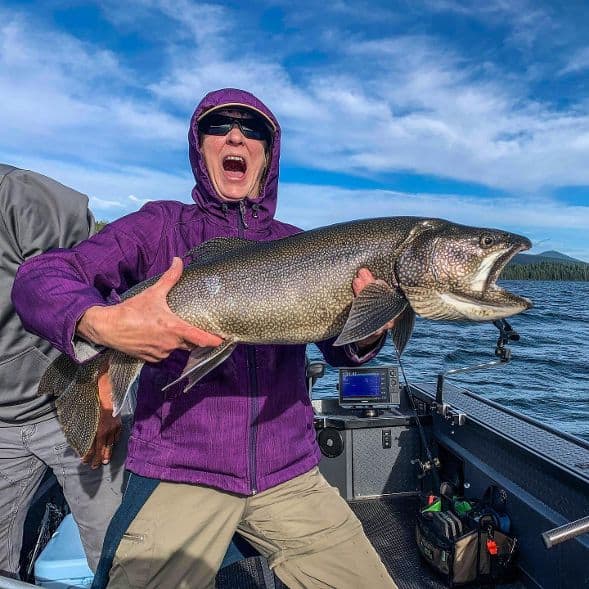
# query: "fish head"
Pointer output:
{"type": "Point", "coordinates": [449, 271]}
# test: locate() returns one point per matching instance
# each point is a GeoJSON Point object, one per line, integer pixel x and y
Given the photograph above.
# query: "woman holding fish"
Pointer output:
{"type": "Point", "coordinates": [237, 452]}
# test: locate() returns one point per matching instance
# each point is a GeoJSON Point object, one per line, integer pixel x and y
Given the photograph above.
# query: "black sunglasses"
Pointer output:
{"type": "Point", "coordinates": [217, 124]}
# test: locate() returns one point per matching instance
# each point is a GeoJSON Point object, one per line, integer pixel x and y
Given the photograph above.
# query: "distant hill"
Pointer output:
{"type": "Point", "coordinates": [559, 256]}
{"type": "Point", "coordinates": [548, 265]}
{"type": "Point", "coordinates": [549, 256]}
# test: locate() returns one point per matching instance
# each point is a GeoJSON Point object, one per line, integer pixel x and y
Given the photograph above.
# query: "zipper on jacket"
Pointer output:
{"type": "Point", "coordinates": [253, 385]}
{"type": "Point", "coordinates": [254, 410]}
{"type": "Point", "coordinates": [242, 214]}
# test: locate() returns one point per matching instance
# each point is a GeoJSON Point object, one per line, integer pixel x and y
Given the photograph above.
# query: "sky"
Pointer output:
{"type": "Point", "coordinates": [470, 111]}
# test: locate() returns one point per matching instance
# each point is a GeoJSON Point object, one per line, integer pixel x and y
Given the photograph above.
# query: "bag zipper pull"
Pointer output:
{"type": "Point", "coordinates": [491, 544]}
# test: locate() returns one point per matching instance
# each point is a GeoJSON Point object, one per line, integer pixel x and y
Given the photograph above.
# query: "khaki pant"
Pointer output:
{"type": "Point", "coordinates": [309, 534]}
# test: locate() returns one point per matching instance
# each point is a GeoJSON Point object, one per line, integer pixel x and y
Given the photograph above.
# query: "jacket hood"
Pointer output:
{"type": "Point", "coordinates": [203, 193]}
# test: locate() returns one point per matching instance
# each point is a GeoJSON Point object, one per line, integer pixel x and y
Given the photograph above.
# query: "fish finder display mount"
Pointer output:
{"type": "Point", "coordinates": [369, 388]}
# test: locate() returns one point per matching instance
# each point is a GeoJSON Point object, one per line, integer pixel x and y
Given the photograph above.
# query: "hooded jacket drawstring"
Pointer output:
{"type": "Point", "coordinates": [242, 211]}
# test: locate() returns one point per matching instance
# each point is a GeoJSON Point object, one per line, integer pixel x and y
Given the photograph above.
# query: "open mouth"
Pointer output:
{"type": "Point", "coordinates": [234, 166]}
{"type": "Point", "coordinates": [476, 296]}
{"type": "Point", "coordinates": [486, 301]}
{"type": "Point", "coordinates": [501, 261]}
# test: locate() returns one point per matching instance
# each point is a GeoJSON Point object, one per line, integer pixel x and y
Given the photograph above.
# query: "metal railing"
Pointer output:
{"type": "Point", "coordinates": [566, 532]}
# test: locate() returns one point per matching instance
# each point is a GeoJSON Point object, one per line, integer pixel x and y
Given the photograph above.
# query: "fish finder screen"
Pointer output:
{"type": "Point", "coordinates": [361, 387]}
{"type": "Point", "coordinates": [368, 387]}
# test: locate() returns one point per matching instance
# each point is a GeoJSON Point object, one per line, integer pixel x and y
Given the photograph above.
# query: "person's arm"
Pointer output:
{"type": "Point", "coordinates": [362, 351]}
{"type": "Point", "coordinates": [65, 294]}
{"type": "Point", "coordinates": [143, 326]}
{"type": "Point", "coordinates": [40, 214]}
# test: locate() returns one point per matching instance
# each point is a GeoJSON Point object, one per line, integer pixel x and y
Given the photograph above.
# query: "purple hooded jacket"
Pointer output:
{"type": "Point", "coordinates": [248, 424]}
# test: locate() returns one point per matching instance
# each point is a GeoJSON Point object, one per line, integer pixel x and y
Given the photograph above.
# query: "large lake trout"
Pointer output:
{"type": "Point", "coordinates": [299, 290]}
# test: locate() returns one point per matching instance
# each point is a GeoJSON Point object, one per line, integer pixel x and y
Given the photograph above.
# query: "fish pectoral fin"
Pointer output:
{"type": "Point", "coordinates": [403, 328]}
{"type": "Point", "coordinates": [201, 361]}
{"type": "Point", "coordinates": [216, 248]}
{"type": "Point", "coordinates": [122, 370]}
{"type": "Point", "coordinates": [376, 305]}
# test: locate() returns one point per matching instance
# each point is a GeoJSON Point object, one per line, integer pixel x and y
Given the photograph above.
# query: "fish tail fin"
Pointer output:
{"type": "Point", "coordinates": [78, 409]}
{"type": "Point", "coordinates": [123, 371]}
{"type": "Point", "coordinates": [58, 376]}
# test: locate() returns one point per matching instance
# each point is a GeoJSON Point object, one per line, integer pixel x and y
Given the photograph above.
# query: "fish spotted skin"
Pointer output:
{"type": "Point", "coordinates": [299, 290]}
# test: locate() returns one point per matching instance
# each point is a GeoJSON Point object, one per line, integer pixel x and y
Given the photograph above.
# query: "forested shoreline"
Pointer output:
{"type": "Point", "coordinates": [547, 271]}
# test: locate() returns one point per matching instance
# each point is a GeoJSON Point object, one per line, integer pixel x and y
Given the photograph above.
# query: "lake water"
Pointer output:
{"type": "Point", "coordinates": [548, 377]}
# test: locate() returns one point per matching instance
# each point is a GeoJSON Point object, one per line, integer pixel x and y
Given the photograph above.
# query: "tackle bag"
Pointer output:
{"type": "Point", "coordinates": [465, 541]}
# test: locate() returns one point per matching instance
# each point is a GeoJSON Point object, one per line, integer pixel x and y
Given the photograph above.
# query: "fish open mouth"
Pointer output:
{"type": "Point", "coordinates": [479, 298]}
{"type": "Point", "coordinates": [501, 261]}
{"type": "Point", "coordinates": [492, 301]}
{"type": "Point", "coordinates": [450, 273]}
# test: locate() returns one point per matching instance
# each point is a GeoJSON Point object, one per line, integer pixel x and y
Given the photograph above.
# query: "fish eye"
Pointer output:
{"type": "Point", "coordinates": [487, 240]}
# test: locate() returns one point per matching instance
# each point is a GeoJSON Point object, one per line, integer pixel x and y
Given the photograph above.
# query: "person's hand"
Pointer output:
{"type": "Point", "coordinates": [109, 427]}
{"type": "Point", "coordinates": [363, 278]}
{"type": "Point", "coordinates": [143, 326]}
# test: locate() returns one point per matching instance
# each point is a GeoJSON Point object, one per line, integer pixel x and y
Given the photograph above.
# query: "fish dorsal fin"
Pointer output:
{"type": "Point", "coordinates": [376, 305]}
{"type": "Point", "coordinates": [216, 248]}
{"type": "Point", "coordinates": [403, 328]}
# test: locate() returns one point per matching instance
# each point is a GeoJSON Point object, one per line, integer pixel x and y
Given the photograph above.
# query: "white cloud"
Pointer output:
{"type": "Point", "coordinates": [339, 204]}
{"type": "Point", "coordinates": [139, 201]}
{"type": "Point", "coordinates": [540, 219]}
{"type": "Point", "coordinates": [578, 62]}
{"type": "Point", "coordinates": [73, 100]}
{"type": "Point", "coordinates": [427, 110]}
{"type": "Point", "coordinates": [527, 21]}
{"type": "Point", "coordinates": [370, 108]}
{"type": "Point", "coordinates": [419, 107]}
{"type": "Point", "coordinates": [113, 191]}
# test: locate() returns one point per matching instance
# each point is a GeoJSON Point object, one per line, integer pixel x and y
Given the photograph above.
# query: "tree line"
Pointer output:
{"type": "Point", "coordinates": [547, 271]}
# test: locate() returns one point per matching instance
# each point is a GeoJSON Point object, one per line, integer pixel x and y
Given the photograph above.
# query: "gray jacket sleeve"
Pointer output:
{"type": "Point", "coordinates": [41, 214]}
{"type": "Point", "coordinates": [36, 214]}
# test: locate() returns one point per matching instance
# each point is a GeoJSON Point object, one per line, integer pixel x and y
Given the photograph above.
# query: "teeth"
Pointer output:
{"type": "Point", "coordinates": [235, 158]}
